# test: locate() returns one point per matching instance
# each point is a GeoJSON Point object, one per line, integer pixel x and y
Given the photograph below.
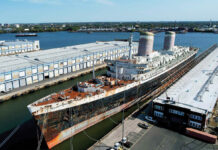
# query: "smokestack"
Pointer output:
{"type": "Point", "coordinates": [146, 42]}
{"type": "Point", "coordinates": [169, 40]}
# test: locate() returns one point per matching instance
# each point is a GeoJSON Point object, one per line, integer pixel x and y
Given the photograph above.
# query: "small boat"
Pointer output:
{"type": "Point", "coordinates": [26, 34]}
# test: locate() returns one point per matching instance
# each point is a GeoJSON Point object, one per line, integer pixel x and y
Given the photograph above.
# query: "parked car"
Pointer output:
{"type": "Point", "coordinates": [125, 142]}
{"type": "Point", "coordinates": [117, 146]}
{"type": "Point", "coordinates": [143, 125]}
{"type": "Point", "coordinates": [150, 119]}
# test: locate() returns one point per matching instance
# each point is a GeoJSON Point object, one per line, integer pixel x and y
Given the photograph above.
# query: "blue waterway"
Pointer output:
{"type": "Point", "coordinates": [60, 39]}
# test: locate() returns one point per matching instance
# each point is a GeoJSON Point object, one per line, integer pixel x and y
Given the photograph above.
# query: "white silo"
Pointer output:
{"type": "Point", "coordinates": [169, 40]}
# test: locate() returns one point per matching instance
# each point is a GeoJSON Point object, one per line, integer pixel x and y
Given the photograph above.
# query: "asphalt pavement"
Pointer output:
{"type": "Point", "coordinates": [158, 138]}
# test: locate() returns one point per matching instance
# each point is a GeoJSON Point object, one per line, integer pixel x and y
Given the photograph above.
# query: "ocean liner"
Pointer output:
{"type": "Point", "coordinates": [64, 114]}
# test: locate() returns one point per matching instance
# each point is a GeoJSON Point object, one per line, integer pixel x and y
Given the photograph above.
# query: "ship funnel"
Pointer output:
{"type": "Point", "coordinates": [146, 42]}
{"type": "Point", "coordinates": [169, 40]}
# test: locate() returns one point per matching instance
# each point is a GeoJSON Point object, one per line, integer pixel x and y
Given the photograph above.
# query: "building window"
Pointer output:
{"type": "Point", "coordinates": [158, 107]}
{"type": "Point", "coordinates": [158, 114]}
{"type": "Point", "coordinates": [173, 111]}
{"type": "Point", "coordinates": [196, 117]}
{"type": "Point", "coordinates": [194, 124]}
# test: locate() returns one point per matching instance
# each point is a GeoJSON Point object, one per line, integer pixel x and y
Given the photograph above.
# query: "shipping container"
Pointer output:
{"type": "Point", "coordinates": [201, 135]}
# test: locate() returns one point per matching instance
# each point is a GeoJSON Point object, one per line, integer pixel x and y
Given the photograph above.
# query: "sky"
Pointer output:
{"type": "Point", "coordinates": [45, 11]}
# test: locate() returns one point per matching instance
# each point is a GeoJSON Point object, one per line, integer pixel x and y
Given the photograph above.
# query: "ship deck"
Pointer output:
{"type": "Point", "coordinates": [76, 95]}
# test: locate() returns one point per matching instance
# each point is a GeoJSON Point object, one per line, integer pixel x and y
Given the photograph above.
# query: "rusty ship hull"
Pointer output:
{"type": "Point", "coordinates": [60, 125]}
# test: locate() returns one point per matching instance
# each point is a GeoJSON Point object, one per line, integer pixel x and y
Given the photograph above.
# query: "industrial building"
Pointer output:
{"type": "Point", "coordinates": [15, 47]}
{"type": "Point", "coordinates": [191, 100]}
{"type": "Point", "coordinates": [28, 68]}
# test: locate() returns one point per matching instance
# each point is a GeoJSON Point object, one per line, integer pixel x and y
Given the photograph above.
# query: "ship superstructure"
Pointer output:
{"type": "Point", "coordinates": [64, 114]}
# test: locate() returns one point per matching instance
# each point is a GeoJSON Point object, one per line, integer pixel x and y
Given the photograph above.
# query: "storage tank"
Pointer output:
{"type": "Point", "coordinates": [146, 42]}
{"type": "Point", "coordinates": [169, 40]}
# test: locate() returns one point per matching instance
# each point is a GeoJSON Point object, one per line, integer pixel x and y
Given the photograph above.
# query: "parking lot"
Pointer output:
{"type": "Point", "coordinates": [153, 138]}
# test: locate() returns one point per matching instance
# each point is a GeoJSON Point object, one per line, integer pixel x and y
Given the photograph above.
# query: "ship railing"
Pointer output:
{"type": "Point", "coordinates": [167, 66]}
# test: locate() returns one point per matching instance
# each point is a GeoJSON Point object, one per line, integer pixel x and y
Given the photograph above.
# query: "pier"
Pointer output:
{"type": "Point", "coordinates": [20, 74]}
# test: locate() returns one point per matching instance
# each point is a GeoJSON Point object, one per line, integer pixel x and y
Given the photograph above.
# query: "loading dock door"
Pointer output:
{"type": "Point", "coordinates": [65, 70]}
{"type": "Point", "coordinates": [16, 84]}
{"type": "Point", "coordinates": [51, 74]}
{"type": "Point", "coordinates": [56, 73]}
{"type": "Point", "coordinates": [9, 86]}
{"type": "Point", "coordinates": [22, 82]}
{"type": "Point", "coordinates": [2, 87]}
{"type": "Point", "coordinates": [40, 77]}
{"type": "Point", "coordinates": [29, 80]}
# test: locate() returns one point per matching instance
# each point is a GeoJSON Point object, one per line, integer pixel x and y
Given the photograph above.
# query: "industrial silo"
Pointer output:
{"type": "Point", "coordinates": [169, 40]}
{"type": "Point", "coordinates": [146, 42]}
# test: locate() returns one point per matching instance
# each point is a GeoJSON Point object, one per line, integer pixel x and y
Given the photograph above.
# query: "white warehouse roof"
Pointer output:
{"type": "Point", "coordinates": [198, 89]}
{"type": "Point", "coordinates": [12, 43]}
{"type": "Point", "coordinates": [15, 62]}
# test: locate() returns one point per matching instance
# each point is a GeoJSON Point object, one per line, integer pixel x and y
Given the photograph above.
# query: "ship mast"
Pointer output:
{"type": "Point", "coordinates": [93, 71]}
{"type": "Point", "coordinates": [130, 46]}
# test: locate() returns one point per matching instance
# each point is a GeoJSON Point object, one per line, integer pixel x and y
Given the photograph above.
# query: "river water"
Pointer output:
{"type": "Point", "coordinates": [14, 112]}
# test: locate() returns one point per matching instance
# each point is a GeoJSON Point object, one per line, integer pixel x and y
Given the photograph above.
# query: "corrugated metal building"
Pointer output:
{"type": "Point", "coordinates": [28, 68]}
{"type": "Point", "coordinates": [15, 47]}
{"type": "Point", "coordinates": [191, 100]}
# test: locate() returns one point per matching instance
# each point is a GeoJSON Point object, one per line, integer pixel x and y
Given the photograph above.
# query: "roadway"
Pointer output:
{"type": "Point", "coordinates": [158, 138]}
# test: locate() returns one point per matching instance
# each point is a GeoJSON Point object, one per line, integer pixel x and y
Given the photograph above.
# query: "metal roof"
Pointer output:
{"type": "Point", "coordinates": [20, 61]}
{"type": "Point", "coordinates": [12, 43]}
{"type": "Point", "coordinates": [198, 89]}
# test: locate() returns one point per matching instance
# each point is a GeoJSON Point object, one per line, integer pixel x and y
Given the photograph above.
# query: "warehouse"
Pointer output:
{"type": "Point", "coordinates": [28, 68]}
{"type": "Point", "coordinates": [191, 100]}
{"type": "Point", "coordinates": [15, 47]}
